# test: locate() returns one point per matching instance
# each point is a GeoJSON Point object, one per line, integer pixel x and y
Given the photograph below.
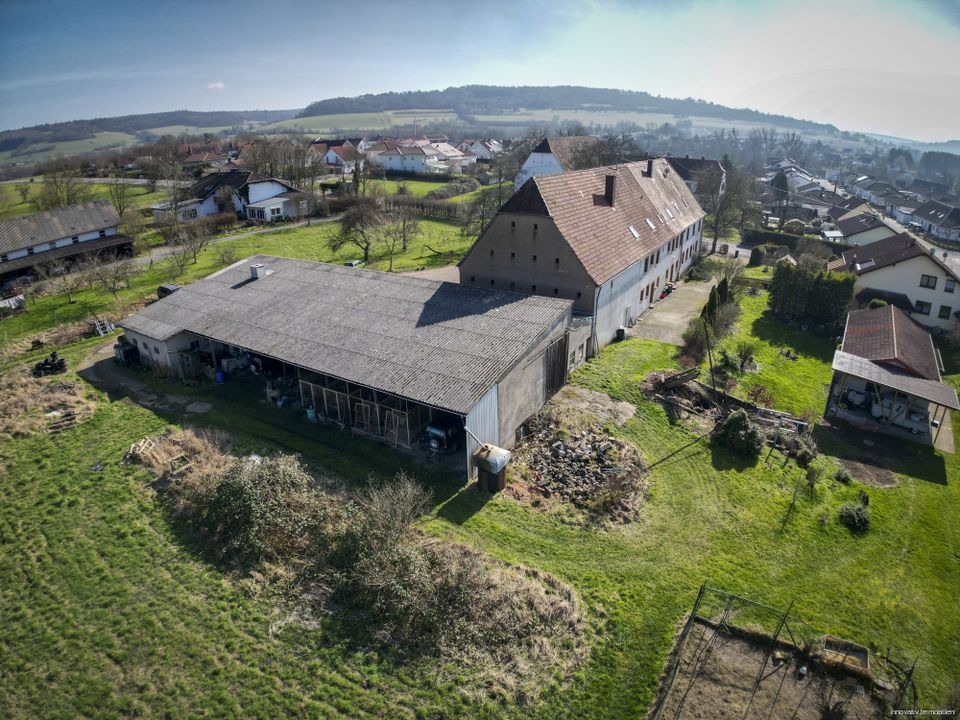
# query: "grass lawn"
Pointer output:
{"type": "Point", "coordinates": [310, 243]}
{"type": "Point", "coordinates": [107, 611]}
{"type": "Point", "coordinates": [506, 192]}
{"type": "Point", "coordinates": [796, 385]}
{"type": "Point", "coordinates": [11, 205]}
{"type": "Point", "coordinates": [416, 188]}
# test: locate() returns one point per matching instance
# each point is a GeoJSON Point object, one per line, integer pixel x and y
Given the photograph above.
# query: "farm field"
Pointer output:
{"type": "Point", "coordinates": [309, 243]}
{"type": "Point", "coordinates": [38, 153]}
{"type": "Point", "coordinates": [362, 121]}
{"type": "Point", "coordinates": [11, 205]}
{"type": "Point", "coordinates": [177, 130]}
{"type": "Point", "coordinates": [123, 616]}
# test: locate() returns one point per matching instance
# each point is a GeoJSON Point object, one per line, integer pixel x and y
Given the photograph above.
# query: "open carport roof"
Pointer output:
{"type": "Point", "coordinates": [930, 390]}
{"type": "Point", "coordinates": [437, 343]}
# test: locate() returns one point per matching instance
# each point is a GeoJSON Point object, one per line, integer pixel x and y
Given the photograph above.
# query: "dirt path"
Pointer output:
{"type": "Point", "coordinates": [100, 370]}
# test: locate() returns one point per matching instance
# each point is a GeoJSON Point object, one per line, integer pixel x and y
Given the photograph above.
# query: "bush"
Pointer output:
{"type": "Point", "coordinates": [842, 476]}
{"type": "Point", "coordinates": [262, 510]}
{"type": "Point", "coordinates": [877, 303]}
{"type": "Point", "coordinates": [759, 394]}
{"type": "Point", "coordinates": [457, 186]}
{"type": "Point", "coordinates": [855, 516]}
{"type": "Point", "coordinates": [805, 449]}
{"type": "Point", "coordinates": [735, 432]}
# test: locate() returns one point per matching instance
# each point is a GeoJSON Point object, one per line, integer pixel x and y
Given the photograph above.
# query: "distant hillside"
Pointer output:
{"type": "Point", "coordinates": [22, 141]}
{"type": "Point", "coordinates": [487, 100]}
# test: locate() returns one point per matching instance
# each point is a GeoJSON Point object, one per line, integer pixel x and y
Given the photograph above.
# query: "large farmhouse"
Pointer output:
{"type": "Point", "coordinates": [379, 353]}
{"type": "Point", "coordinates": [59, 234]}
{"type": "Point", "coordinates": [227, 192]}
{"type": "Point", "coordinates": [608, 238]}
{"type": "Point", "coordinates": [899, 271]}
{"type": "Point", "coordinates": [887, 377]}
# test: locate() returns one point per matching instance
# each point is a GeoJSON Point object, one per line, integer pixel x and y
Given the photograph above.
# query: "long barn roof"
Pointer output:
{"type": "Point", "coordinates": [51, 225]}
{"type": "Point", "coordinates": [436, 343]}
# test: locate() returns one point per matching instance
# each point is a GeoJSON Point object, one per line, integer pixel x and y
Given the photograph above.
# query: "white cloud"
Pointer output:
{"type": "Point", "coordinates": [218, 85]}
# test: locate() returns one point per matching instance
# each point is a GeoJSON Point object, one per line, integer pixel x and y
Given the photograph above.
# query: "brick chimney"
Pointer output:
{"type": "Point", "coordinates": [610, 189]}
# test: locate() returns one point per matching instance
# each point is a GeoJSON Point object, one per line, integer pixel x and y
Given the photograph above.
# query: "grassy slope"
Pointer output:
{"type": "Point", "coordinates": [11, 205]}
{"type": "Point", "coordinates": [796, 385]}
{"type": "Point", "coordinates": [49, 151]}
{"type": "Point", "coordinates": [310, 243]}
{"type": "Point", "coordinates": [108, 612]}
{"type": "Point", "coordinates": [363, 121]}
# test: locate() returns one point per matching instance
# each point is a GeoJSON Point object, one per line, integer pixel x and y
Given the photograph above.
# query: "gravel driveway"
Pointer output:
{"type": "Point", "coordinates": [667, 320]}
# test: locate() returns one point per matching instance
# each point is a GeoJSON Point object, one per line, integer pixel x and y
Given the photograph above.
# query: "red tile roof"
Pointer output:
{"type": "Point", "coordinates": [648, 210]}
{"type": "Point", "coordinates": [888, 336]}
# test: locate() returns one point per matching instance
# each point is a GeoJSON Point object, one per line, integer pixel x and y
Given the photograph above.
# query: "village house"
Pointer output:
{"type": "Point", "coordinates": [558, 154]}
{"type": "Point", "coordinates": [846, 208]}
{"type": "Point", "coordinates": [343, 158]}
{"type": "Point", "coordinates": [608, 238]}
{"type": "Point", "coordinates": [692, 170]}
{"type": "Point", "coordinates": [222, 192]}
{"type": "Point", "coordinates": [411, 160]}
{"type": "Point", "coordinates": [939, 219]}
{"type": "Point", "coordinates": [860, 229]}
{"type": "Point", "coordinates": [54, 235]}
{"type": "Point", "coordinates": [485, 150]}
{"type": "Point", "coordinates": [378, 353]}
{"type": "Point", "coordinates": [886, 378]}
{"type": "Point", "coordinates": [899, 271]}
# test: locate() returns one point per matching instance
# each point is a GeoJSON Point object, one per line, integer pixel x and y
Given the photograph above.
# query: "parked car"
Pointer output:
{"type": "Point", "coordinates": [354, 263]}
{"type": "Point", "coordinates": [444, 435]}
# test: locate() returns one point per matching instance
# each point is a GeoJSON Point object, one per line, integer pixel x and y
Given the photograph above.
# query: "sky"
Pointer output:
{"type": "Point", "coordinates": [884, 66]}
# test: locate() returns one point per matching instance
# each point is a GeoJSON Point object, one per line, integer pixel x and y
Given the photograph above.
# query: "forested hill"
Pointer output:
{"type": "Point", "coordinates": [491, 100]}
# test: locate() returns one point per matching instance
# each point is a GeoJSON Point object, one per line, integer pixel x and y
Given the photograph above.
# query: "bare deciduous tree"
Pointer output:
{"type": "Point", "coordinates": [61, 187]}
{"type": "Point", "coordinates": [359, 227]}
{"type": "Point", "coordinates": [112, 274]}
{"type": "Point", "coordinates": [119, 193]}
{"type": "Point", "coordinates": [23, 189]}
{"type": "Point", "coordinates": [722, 205]}
{"type": "Point", "coordinates": [66, 278]}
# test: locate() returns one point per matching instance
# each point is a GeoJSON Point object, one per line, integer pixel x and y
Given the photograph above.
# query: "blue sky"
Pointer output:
{"type": "Point", "coordinates": [887, 66]}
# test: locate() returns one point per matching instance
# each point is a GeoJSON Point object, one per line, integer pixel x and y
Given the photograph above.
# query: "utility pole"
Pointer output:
{"type": "Point", "coordinates": [706, 334]}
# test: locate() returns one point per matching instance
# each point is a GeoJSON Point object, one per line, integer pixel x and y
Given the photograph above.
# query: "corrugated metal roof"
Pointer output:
{"type": "Point", "coordinates": [51, 225]}
{"type": "Point", "coordinates": [929, 390]}
{"type": "Point", "coordinates": [437, 343]}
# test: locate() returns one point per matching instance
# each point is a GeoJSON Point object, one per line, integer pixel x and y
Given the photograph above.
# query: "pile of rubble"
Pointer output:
{"type": "Point", "coordinates": [591, 470]}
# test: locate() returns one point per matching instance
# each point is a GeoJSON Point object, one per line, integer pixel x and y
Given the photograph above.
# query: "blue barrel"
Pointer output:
{"type": "Point", "coordinates": [218, 376]}
{"type": "Point", "coordinates": [311, 415]}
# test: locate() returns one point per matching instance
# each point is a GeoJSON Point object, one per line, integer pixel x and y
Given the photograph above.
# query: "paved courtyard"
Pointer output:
{"type": "Point", "coordinates": [667, 320]}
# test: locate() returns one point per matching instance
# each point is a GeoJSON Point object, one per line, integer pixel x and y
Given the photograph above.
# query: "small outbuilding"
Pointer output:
{"type": "Point", "coordinates": [382, 354]}
{"type": "Point", "coordinates": [886, 377]}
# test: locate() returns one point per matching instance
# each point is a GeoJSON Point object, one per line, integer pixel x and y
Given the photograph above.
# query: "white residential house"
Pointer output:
{"type": "Point", "coordinates": [556, 155]}
{"type": "Point", "coordinates": [861, 229]}
{"type": "Point", "coordinates": [483, 149]}
{"type": "Point", "coordinates": [226, 192]}
{"type": "Point", "coordinates": [285, 206]}
{"type": "Point", "coordinates": [939, 219]}
{"type": "Point", "coordinates": [342, 157]}
{"type": "Point", "coordinates": [899, 271]}
{"type": "Point", "coordinates": [412, 160]}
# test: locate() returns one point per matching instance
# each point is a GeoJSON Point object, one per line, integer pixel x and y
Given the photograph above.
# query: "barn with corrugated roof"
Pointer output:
{"type": "Point", "coordinates": [384, 354]}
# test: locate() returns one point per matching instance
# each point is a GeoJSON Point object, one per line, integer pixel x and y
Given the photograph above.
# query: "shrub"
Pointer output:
{"type": "Point", "coordinates": [759, 394]}
{"type": "Point", "coordinates": [735, 432]}
{"type": "Point", "coordinates": [863, 497]}
{"type": "Point", "coordinates": [842, 476]}
{"type": "Point", "coordinates": [877, 303]}
{"type": "Point", "coordinates": [805, 449]}
{"type": "Point", "coordinates": [756, 257]}
{"type": "Point", "coordinates": [855, 516]}
{"type": "Point", "coordinates": [262, 510]}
